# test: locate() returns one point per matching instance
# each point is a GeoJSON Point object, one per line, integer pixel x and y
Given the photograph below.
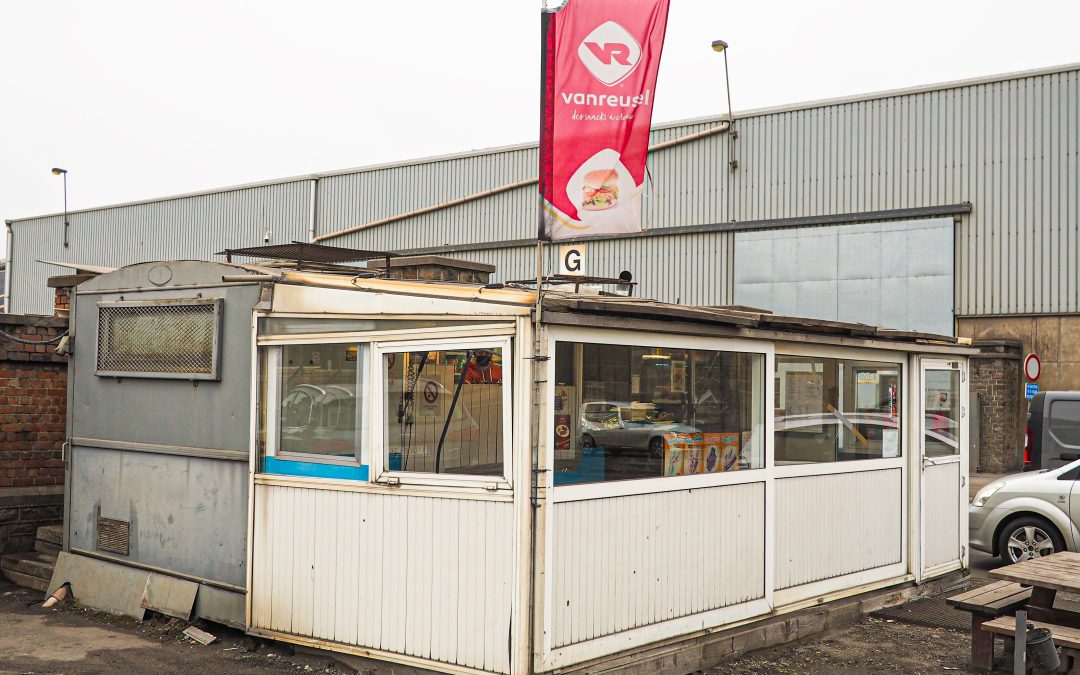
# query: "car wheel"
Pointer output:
{"type": "Point", "coordinates": [1028, 538]}
{"type": "Point", "coordinates": [656, 447]}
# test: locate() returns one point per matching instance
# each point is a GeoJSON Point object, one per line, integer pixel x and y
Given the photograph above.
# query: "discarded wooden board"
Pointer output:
{"type": "Point", "coordinates": [199, 635]}
{"type": "Point", "coordinates": [101, 585]}
{"type": "Point", "coordinates": [169, 595]}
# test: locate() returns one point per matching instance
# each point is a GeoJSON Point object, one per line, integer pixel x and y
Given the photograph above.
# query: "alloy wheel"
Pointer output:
{"type": "Point", "coordinates": [1029, 542]}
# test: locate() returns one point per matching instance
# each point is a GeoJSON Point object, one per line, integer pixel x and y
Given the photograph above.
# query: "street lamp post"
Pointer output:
{"type": "Point", "coordinates": [733, 164]}
{"type": "Point", "coordinates": [721, 46]}
{"type": "Point", "coordinates": [63, 172]}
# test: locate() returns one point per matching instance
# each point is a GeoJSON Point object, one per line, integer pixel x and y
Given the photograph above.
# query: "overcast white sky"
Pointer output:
{"type": "Point", "coordinates": [145, 99]}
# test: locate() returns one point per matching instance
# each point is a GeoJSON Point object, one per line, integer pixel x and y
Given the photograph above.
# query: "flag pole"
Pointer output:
{"type": "Point", "coordinates": [544, 27]}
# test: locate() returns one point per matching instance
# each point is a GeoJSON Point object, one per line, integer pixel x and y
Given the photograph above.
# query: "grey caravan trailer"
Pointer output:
{"type": "Point", "coordinates": [159, 410]}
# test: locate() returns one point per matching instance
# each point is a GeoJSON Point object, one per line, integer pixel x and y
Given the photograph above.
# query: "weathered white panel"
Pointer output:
{"type": "Point", "coordinates": [862, 273]}
{"type": "Point", "coordinates": [941, 519]}
{"type": "Point", "coordinates": [624, 562]}
{"type": "Point", "coordinates": [420, 576]}
{"type": "Point", "coordinates": [836, 524]}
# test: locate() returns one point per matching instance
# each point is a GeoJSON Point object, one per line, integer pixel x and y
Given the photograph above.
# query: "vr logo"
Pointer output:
{"type": "Point", "coordinates": [610, 53]}
{"type": "Point", "coordinates": [607, 53]}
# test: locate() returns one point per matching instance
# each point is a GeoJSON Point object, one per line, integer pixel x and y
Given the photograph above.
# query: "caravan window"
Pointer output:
{"type": "Point", "coordinates": [312, 405]}
{"type": "Point", "coordinates": [446, 408]}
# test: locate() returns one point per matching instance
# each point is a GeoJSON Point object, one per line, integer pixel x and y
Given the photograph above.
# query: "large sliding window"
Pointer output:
{"type": "Point", "coordinates": [833, 410]}
{"type": "Point", "coordinates": [626, 412]}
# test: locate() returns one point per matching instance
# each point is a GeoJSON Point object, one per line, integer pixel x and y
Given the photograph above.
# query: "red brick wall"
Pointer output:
{"type": "Point", "coordinates": [33, 403]}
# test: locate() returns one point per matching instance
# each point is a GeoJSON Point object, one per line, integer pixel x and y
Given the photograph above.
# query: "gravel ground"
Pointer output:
{"type": "Point", "coordinates": [872, 646]}
{"type": "Point", "coordinates": [72, 639]}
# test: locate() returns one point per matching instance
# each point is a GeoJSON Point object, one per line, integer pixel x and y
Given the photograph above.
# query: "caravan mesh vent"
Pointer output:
{"type": "Point", "coordinates": [167, 339]}
{"type": "Point", "coordinates": [113, 535]}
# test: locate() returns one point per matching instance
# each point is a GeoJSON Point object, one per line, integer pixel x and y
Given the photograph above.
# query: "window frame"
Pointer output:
{"type": "Point", "coordinates": [636, 486]}
{"type": "Point", "coordinates": [274, 399]}
{"type": "Point", "coordinates": [217, 318]}
{"type": "Point", "coordinates": [844, 353]}
{"type": "Point", "coordinates": [380, 473]}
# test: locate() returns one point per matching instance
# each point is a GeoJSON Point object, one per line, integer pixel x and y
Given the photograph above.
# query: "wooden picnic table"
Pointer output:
{"type": "Point", "coordinates": [1046, 576]}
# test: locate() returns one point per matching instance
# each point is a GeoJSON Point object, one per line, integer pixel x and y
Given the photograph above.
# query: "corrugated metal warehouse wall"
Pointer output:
{"type": "Point", "coordinates": [183, 228]}
{"type": "Point", "coordinates": [1007, 145]}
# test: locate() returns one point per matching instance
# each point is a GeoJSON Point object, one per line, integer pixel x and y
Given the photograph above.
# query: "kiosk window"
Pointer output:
{"type": "Point", "coordinates": [832, 410]}
{"type": "Point", "coordinates": [628, 412]}
{"type": "Point", "coordinates": [312, 407]}
{"type": "Point", "coordinates": [444, 411]}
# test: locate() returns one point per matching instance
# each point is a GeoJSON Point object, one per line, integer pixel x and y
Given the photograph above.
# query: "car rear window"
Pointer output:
{"type": "Point", "coordinates": [1065, 421]}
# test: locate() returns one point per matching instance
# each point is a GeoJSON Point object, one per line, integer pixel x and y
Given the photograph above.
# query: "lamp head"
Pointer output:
{"type": "Point", "coordinates": [719, 45]}
{"type": "Point", "coordinates": [57, 172]}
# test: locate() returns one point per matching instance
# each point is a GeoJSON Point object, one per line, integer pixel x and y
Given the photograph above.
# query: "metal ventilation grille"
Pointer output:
{"type": "Point", "coordinates": [175, 339]}
{"type": "Point", "coordinates": [113, 535]}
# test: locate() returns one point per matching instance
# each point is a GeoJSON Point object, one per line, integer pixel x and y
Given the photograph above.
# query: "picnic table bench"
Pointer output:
{"type": "Point", "coordinates": [988, 602]}
{"type": "Point", "coordinates": [1065, 637]}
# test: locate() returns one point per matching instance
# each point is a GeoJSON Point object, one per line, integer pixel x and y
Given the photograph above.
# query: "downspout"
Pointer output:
{"type": "Point", "coordinates": [314, 201]}
{"type": "Point", "coordinates": [7, 268]}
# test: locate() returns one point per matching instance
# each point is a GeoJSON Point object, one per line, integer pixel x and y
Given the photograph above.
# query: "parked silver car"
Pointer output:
{"type": "Point", "coordinates": [1028, 515]}
{"type": "Point", "coordinates": [621, 425]}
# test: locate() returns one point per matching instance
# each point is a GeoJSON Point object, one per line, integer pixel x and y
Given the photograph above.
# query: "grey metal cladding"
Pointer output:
{"type": "Point", "coordinates": [694, 268]}
{"type": "Point", "coordinates": [192, 228]}
{"type": "Point", "coordinates": [1008, 145]}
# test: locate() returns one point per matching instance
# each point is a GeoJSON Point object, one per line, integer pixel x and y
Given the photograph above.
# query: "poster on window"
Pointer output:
{"type": "Point", "coordinates": [599, 64]}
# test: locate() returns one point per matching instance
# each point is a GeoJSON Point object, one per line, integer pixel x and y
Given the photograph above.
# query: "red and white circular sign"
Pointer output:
{"type": "Point", "coordinates": [431, 392]}
{"type": "Point", "coordinates": [1032, 367]}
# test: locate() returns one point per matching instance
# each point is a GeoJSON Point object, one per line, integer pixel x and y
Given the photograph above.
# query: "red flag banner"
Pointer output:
{"type": "Point", "coordinates": [600, 63]}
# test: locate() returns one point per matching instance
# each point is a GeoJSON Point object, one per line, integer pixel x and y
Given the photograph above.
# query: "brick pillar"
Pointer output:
{"type": "Point", "coordinates": [995, 375]}
{"type": "Point", "coordinates": [65, 286]}
{"type": "Point", "coordinates": [33, 418]}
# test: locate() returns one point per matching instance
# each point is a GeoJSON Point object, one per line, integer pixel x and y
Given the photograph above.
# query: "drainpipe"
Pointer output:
{"type": "Point", "coordinates": [7, 268]}
{"type": "Point", "coordinates": [314, 210]}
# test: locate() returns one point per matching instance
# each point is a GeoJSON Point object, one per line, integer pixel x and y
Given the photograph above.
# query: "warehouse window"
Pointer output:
{"type": "Point", "coordinates": [446, 407]}
{"type": "Point", "coordinates": [628, 412]}
{"type": "Point", "coordinates": [312, 409]}
{"type": "Point", "coordinates": [832, 410]}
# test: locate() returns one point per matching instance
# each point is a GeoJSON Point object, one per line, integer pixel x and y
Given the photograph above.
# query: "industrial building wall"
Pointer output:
{"type": "Point", "coordinates": [1008, 145]}
{"type": "Point", "coordinates": [183, 228]}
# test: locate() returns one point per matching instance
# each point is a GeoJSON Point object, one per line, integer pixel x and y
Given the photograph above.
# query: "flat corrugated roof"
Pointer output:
{"type": "Point", "coordinates": [737, 317]}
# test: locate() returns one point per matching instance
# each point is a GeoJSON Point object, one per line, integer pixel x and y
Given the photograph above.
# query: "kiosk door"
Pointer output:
{"type": "Point", "coordinates": [943, 456]}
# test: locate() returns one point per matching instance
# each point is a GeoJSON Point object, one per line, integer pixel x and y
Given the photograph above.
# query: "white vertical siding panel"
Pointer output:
{"type": "Point", "coordinates": [304, 515]}
{"type": "Point", "coordinates": [347, 614]}
{"type": "Point", "coordinates": [836, 524]}
{"type": "Point", "coordinates": [281, 590]}
{"type": "Point", "coordinates": [324, 564]}
{"type": "Point", "coordinates": [676, 560]}
{"type": "Point", "coordinates": [941, 531]}
{"type": "Point", "coordinates": [261, 562]}
{"type": "Point", "coordinates": [425, 577]}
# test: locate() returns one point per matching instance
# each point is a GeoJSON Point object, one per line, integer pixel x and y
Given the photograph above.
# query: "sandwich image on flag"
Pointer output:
{"type": "Point", "coordinates": [601, 190]}
{"type": "Point", "coordinates": [600, 63]}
